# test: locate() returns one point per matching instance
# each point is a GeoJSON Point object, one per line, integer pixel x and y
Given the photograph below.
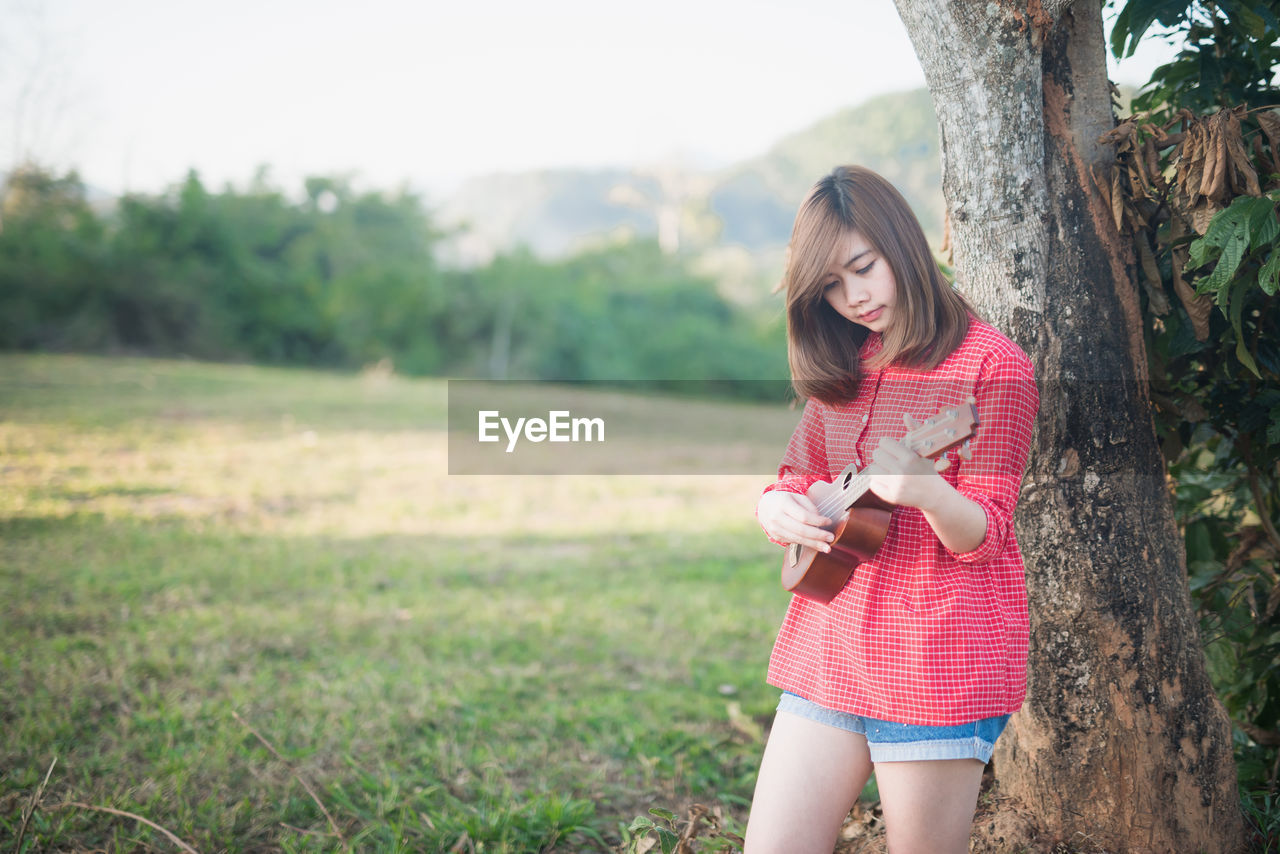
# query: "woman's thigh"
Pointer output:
{"type": "Point", "coordinates": [810, 776]}
{"type": "Point", "coordinates": [928, 804]}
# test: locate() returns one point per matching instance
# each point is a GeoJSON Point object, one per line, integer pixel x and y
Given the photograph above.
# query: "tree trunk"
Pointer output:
{"type": "Point", "coordinates": [1121, 745]}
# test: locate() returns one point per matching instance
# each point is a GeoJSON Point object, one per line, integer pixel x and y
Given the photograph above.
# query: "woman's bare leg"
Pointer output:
{"type": "Point", "coordinates": [810, 776]}
{"type": "Point", "coordinates": [928, 806]}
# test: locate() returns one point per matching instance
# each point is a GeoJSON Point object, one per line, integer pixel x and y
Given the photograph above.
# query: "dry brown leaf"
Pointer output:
{"type": "Point", "coordinates": [1269, 121]}
{"type": "Point", "coordinates": [697, 813]}
{"type": "Point", "coordinates": [1152, 161]}
{"type": "Point", "coordinates": [1122, 131]}
{"type": "Point", "coordinates": [1190, 165]}
{"type": "Point", "coordinates": [1138, 213]}
{"type": "Point", "coordinates": [1214, 183]}
{"type": "Point", "coordinates": [1117, 199]}
{"type": "Point", "coordinates": [1198, 306]}
{"type": "Point", "coordinates": [1245, 177]}
{"type": "Point", "coordinates": [1151, 283]}
{"type": "Point", "coordinates": [1103, 185]}
{"type": "Point", "coordinates": [1139, 174]}
{"type": "Point", "coordinates": [1202, 214]}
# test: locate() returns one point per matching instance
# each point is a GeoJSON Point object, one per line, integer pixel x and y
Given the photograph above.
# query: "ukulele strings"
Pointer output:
{"type": "Point", "coordinates": [856, 485]}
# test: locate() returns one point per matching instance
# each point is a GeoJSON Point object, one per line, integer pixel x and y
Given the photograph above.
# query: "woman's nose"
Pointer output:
{"type": "Point", "coordinates": [853, 294]}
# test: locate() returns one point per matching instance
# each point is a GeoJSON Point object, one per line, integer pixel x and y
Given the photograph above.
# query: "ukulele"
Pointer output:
{"type": "Point", "coordinates": [862, 518]}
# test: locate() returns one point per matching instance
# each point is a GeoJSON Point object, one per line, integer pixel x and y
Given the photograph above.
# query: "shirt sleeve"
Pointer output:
{"type": "Point", "coordinates": [805, 460]}
{"type": "Point", "coordinates": [1007, 401]}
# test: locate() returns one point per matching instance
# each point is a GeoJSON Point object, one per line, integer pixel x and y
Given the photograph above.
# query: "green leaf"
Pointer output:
{"type": "Point", "coordinates": [668, 839]}
{"type": "Point", "coordinates": [1232, 254]}
{"type": "Point", "coordinates": [1224, 225]}
{"type": "Point", "coordinates": [1199, 546]}
{"type": "Point", "coordinates": [1268, 17]}
{"type": "Point", "coordinates": [1210, 71]}
{"type": "Point", "coordinates": [641, 825]}
{"type": "Point", "coordinates": [1119, 31]}
{"type": "Point", "coordinates": [1201, 251]}
{"type": "Point", "coordinates": [1236, 313]}
{"type": "Point", "coordinates": [1269, 275]}
{"type": "Point", "coordinates": [663, 814]}
{"type": "Point", "coordinates": [1136, 18]}
{"type": "Point", "coordinates": [1250, 21]}
{"type": "Point", "coordinates": [1247, 215]}
{"type": "Point", "coordinates": [1261, 212]}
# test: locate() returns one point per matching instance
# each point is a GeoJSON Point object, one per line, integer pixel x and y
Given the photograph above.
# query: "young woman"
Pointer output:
{"type": "Point", "coordinates": [915, 666]}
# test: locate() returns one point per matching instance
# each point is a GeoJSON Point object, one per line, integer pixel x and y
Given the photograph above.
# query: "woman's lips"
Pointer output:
{"type": "Point", "coordinates": [869, 316]}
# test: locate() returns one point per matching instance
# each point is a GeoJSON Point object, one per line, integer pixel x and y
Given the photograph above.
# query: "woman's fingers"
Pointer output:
{"type": "Point", "coordinates": [818, 539]}
{"type": "Point", "coordinates": [794, 518]}
{"type": "Point", "coordinates": [804, 523]}
{"type": "Point", "coordinates": [804, 510]}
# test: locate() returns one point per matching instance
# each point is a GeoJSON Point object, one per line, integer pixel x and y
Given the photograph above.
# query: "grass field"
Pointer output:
{"type": "Point", "coordinates": [199, 561]}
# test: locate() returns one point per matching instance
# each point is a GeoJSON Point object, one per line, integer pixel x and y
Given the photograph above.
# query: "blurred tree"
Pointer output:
{"type": "Point", "coordinates": [50, 244]}
{"type": "Point", "coordinates": [349, 278]}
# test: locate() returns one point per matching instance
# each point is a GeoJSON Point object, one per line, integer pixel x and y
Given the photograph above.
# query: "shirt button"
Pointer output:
{"type": "Point", "coordinates": [864, 419]}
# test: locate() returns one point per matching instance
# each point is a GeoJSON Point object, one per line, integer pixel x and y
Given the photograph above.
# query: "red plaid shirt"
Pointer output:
{"type": "Point", "coordinates": [921, 634]}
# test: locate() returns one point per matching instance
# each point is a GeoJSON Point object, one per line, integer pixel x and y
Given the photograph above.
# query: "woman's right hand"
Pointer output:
{"type": "Point", "coordinates": [788, 517]}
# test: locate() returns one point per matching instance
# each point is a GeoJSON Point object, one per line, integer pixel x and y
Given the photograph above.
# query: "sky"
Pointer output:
{"type": "Point", "coordinates": [133, 93]}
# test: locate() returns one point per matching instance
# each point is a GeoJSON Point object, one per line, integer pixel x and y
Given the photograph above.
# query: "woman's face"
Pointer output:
{"type": "Point", "coordinates": [859, 284]}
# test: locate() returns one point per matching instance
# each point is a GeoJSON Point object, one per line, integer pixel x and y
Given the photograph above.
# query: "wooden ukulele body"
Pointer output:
{"type": "Point", "coordinates": [859, 532]}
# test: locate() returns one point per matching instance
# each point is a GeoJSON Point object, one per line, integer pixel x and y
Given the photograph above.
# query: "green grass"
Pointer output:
{"type": "Point", "coordinates": [496, 663]}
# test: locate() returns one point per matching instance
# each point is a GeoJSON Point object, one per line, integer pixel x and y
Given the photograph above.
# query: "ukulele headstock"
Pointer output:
{"type": "Point", "coordinates": [950, 427]}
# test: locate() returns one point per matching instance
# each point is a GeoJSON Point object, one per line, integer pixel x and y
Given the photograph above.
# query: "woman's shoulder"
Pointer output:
{"type": "Point", "coordinates": [983, 338]}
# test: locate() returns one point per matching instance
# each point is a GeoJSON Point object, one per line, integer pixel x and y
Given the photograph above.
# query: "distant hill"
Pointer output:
{"type": "Point", "coordinates": [750, 204]}
{"type": "Point", "coordinates": [550, 212]}
{"type": "Point", "coordinates": [896, 135]}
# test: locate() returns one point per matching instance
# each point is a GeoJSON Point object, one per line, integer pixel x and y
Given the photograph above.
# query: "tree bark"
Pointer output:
{"type": "Point", "coordinates": [1122, 744]}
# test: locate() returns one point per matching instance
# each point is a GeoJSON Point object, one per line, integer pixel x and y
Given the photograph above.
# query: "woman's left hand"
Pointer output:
{"type": "Point", "coordinates": [903, 477]}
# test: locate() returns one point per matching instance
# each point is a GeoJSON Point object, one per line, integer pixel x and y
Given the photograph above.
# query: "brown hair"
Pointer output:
{"type": "Point", "coordinates": [931, 318]}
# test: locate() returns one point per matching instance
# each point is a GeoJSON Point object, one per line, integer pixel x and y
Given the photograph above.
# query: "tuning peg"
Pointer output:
{"type": "Point", "coordinates": [909, 421]}
{"type": "Point", "coordinates": [965, 452]}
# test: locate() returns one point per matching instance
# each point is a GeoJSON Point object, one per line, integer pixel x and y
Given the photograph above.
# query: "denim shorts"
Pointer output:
{"type": "Point", "coordinates": [894, 742]}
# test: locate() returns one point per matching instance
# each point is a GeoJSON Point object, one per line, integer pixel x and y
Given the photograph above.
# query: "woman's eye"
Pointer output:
{"type": "Point", "coordinates": [865, 269]}
{"type": "Point", "coordinates": [829, 285]}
